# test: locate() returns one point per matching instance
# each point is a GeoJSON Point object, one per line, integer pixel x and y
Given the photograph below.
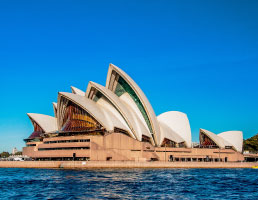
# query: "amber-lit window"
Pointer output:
{"type": "Point", "coordinates": [76, 119]}
{"type": "Point", "coordinates": [168, 143]}
{"type": "Point", "coordinates": [37, 132]}
{"type": "Point", "coordinates": [206, 142]}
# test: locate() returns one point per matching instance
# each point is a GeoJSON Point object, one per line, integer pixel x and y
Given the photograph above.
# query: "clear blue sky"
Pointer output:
{"type": "Point", "coordinates": [198, 57]}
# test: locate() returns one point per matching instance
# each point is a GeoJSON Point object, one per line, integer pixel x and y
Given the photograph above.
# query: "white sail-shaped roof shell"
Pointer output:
{"type": "Point", "coordinates": [102, 115]}
{"type": "Point", "coordinates": [167, 132]}
{"type": "Point", "coordinates": [143, 99]}
{"type": "Point", "coordinates": [55, 108]}
{"type": "Point", "coordinates": [131, 119]}
{"type": "Point", "coordinates": [178, 123]}
{"type": "Point", "coordinates": [129, 103]}
{"type": "Point", "coordinates": [215, 138]}
{"type": "Point", "coordinates": [235, 138]}
{"type": "Point", "coordinates": [77, 91]}
{"type": "Point", "coordinates": [46, 122]}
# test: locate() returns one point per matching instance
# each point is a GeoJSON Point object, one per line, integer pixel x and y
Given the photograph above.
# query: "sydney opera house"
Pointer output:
{"type": "Point", "coordinates": [116, 122]}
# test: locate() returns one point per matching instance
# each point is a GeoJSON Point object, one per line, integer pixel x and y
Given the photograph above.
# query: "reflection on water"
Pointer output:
{"type": "Point", "coordinates": [129, 184]}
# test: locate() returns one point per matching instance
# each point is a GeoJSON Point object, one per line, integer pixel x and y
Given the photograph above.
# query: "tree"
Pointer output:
{"type": "Point", "coordinates": [251, 144]}
{"type": "Point", "coordinates": [4, 154]}
{"type": "Point", "coordinates": [18, 153]}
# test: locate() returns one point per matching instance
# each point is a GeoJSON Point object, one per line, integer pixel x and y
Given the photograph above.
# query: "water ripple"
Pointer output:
{"type": "Point", "coordinates": [129, 184]}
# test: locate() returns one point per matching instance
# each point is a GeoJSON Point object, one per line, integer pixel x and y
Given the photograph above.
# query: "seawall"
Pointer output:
{"type": "Point", "coordinates": [122, 164]}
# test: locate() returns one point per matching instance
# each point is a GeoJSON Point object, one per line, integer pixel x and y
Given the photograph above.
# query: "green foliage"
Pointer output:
{"type": "Point", "coordinates": [251, 144]}
{"type": "Point", "coordinates": [4, 155]}
{"type": "Point", "coordinates": [18, 153]}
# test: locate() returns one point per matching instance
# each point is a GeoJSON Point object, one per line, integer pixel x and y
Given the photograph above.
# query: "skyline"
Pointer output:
{"type": "Point", "coordinates": [198, 58]}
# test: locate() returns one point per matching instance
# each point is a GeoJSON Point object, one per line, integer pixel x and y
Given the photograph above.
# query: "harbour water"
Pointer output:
{"type": "Point", "coordinates": [128, 184]}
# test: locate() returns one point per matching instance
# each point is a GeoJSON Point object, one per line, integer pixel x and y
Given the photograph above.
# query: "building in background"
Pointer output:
{"type": "Point", "coordinates": [117, 122]}
{"type": "Point", "coordinates": [14, 151]}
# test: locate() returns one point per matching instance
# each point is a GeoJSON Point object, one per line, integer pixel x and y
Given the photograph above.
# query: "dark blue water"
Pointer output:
{"type": "Point", "coordinates": [129, 184]}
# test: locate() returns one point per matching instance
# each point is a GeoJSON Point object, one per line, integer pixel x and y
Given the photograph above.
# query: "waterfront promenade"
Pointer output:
{"type": "Point", "coordinates": [121, 164]}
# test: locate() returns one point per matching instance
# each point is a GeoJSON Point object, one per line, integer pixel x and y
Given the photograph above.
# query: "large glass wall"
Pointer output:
{"type": "Point", "coordinates": [78, 120]}
{"type": "Point", "coordinates": [206, 142]}
{"type": "Point", "coordinates": [122, 87]}
{"type": "Point", "coordinates": [168, 143]}
{"type": "Point", "coordinates": [37, 132]}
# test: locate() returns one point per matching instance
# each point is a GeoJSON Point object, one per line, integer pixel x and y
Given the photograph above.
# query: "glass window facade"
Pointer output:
{"type": "Point", "coordinates": [66, 141]}
{"type": "Point", "coordinates": [97, 96]}
{"type": "Point", "coordinates": [121, 88]}
{"type": "Point", "coordinates": [206, 142]}
{"type": "Point", "coordinates": [63, 148]}
{"type": "Point", "coordinates": [77, 119]}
